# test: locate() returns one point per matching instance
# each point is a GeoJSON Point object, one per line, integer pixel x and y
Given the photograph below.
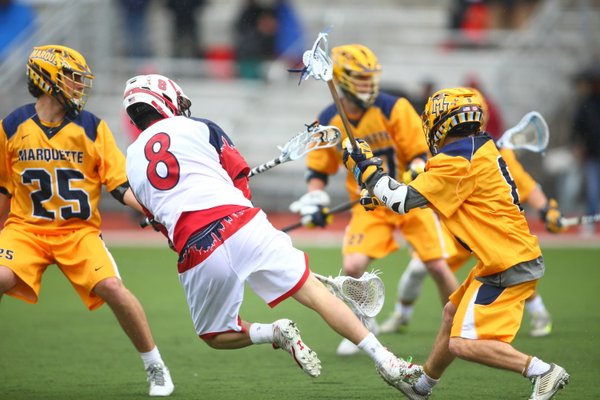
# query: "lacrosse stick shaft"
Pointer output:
{"type": "Point", "coordinates": [582, 220]}
{"type": "Point", "coordinates": [264, 167]}
{"type": "Point", "coordinates": [335, 210]}
{"type": "Point", "coordinates": [342, 111]}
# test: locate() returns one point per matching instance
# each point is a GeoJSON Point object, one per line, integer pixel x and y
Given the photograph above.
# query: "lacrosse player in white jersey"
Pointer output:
{"type": "Point", "coordinates": [193, 183]}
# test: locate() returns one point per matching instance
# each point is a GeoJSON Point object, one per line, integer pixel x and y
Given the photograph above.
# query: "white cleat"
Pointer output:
{"type": "Point", "coordinates": [411, 393]}
{"type": "Point", "coordinates": [394, 323]}
{"type": "Point", "coordinates": [161, 384]}
{"type": "Point", "coordinates": [395, 370]}
{"type": "Point", "coordinates": [286, 336]}
{"type": "Point", "coordinates": [541, 325]}
{"type": "Point", "coordinates": [347, 348]}
{"type": "Point", "coordinates": [546, 385]}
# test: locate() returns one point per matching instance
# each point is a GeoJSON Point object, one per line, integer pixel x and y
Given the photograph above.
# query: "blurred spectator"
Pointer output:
{"type": "Point", "coordinates": [468, 22]}
{"type": "Point", "coordinates": [494, 124]}
{"type": "Point", "coordinates": [290, 38]}
{"type": "Point", "coordinates": [586, 134]}
{"type": "Point", "coordinates": [510, 14]}
{"type": "Point", "coordinates": [17, 21]}
{"type": "Point", "coordinates": [255, 30]}
{"type": "Point", "coordinates": [186, 40]}
{"type": "Point", "coordinates": [135, 13]}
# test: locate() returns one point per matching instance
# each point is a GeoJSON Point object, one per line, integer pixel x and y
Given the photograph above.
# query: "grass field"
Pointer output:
{"type": "Point", "coordinates": [58, 350]}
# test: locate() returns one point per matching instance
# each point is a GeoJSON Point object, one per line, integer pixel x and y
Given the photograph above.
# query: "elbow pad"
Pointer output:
{"type": "Point", "coordinates": [119, 192]}
{"type": "Point", "coordinates": [391, 193]}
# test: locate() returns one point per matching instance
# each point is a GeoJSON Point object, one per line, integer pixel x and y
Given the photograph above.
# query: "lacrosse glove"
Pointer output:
{"type": "Point", "coordinates": [368, 201]}
{"type": "Point", "coordinates": [360, 161]}
{"type": "Point", "coordinates": [551, 216]}
{"type": "Point", "coordinates": [416, 167]}
{"type": "Point", "coordinates": [313, 210]}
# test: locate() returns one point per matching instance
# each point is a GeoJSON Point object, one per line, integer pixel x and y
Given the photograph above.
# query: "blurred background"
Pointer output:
{"type": "Point", "coordinates": [231, 57]}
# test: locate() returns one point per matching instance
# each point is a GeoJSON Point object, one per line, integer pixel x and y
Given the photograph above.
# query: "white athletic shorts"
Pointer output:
{"type": "Point", "coordinates": [257, 254]}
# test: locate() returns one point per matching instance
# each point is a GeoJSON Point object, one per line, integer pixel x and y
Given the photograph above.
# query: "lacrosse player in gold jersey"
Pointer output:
{"type": "Point", "coordinates": [393, 129]}
{"type": "Point", "coordinates": [54, 159]}
{"type": "Point", "coordinates": [530, 192]}
{"type": "Point", "coordinates": [467, 181]}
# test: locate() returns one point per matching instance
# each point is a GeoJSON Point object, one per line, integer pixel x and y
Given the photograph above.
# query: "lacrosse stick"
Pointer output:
{"type": "Point", "coordinates": [318, 64]}
{"type": "Point", "coordinates": [581, 220]}
{"type": "Point", "coordinates": [364, 295]}
{"type": "Point", "coordinates": [314, 137]}
{"type": "Point", "coordinates": [531, 133]}
{"type": "Point", "coordinates": [335, 210]}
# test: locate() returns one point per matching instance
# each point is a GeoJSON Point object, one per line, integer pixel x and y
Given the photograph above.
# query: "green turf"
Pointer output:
{"type": "Point", "coordinates": [58, 350]}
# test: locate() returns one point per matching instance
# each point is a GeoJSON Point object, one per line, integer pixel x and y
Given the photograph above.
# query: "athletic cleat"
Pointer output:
{"type": "Point", "coordinates": [347, 348]}
{"type": "Point", "coordinates": [546, 385]}
{"type": "Point", "coordinates": [411, 393]}
{"type": "Point", "coordinates": [395, 370]}
{"type": "Point", "coordinates": [396, 322]}
{"type": "Point", "coordinates": [541, 325]}
{"type": "Point", "coordinates": [286, 336]}
{"type": "Point", "coordinates": [161, 384]}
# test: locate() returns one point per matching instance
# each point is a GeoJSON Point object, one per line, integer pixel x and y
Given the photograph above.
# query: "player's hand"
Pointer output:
{"type": "Point", "coordinates": [552, 216]}
{"type": "Point", "coordinates": [313, 209]}
{"type": "Point", "coordinates": [360, 162]}
{"type": "Point", "coordinates": [368, 201]}
{"type": "Point", "coordinates": [416, 167]}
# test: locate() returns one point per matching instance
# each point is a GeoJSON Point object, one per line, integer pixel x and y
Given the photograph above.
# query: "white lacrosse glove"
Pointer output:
{"type": "Point", "coordinates": [313, 209]}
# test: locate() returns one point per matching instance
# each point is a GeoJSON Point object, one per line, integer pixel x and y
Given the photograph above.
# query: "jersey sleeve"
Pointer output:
{"type": "Point", "coordinates": [111, 160]}
{"type": "Point", "coordinates": [326, 161]}
{"type": "Point", "coordinates": [525, 183]}
{"type": "Point", "coordinates": [407, 129]}
{"type": "Point", "coordinates": [446, 184]}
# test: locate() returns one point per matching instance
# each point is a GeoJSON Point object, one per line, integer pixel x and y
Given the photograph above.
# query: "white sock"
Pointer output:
{"type": "Point", "coordinates": [406, 310]}
{"type": "Point", "coordinates": [261, 333]}
{"type": "Point", "coordinates": [536, 306]}
{"type": "Point", "coordinates": [374, 348]}
{"type": "Point", "coordinates": [537, 367]}
{"type": "Point", "coordinates": [425, 384]}
{"type": "Point", "coordinates": [151, 357]}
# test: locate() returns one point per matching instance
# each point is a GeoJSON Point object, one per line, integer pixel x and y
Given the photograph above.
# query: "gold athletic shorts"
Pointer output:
{"type": "Point", "coordinates": [81, 255]}
{"type": "Point", "coordinates": [372, 233]}
{"type": "Point", "coordinates": [489, 312]}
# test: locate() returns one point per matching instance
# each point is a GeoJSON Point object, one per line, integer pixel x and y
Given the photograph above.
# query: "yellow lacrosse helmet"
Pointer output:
{"type": "Point", "coordinates": [456, 111]}
{"type": "Point", "coordinates": [62, 73]}
{"type": "Point", "coordinates": [357, 72]}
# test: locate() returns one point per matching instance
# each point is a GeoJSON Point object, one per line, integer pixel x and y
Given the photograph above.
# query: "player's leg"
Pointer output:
{"type": "Point", "coordinates": [495, 314]}
{"type": "Point", "coordinates": [540, 319]}
{"type": "Point", "coordinates": [87, 263]}
{"type": "Point", "coordinates": [340, 318]}
{"type": "Point", "coordinates": [368, 236]}
{"type": "Point", "coordinates": [409, 289]}
{"type": "Point", "coordinates": [433, 245]}
{"type": "Point", "coordinates": [23, 260]}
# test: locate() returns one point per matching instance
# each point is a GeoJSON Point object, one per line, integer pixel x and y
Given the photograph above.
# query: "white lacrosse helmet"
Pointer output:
{"type": "Point", "coordinates": [154, 96]}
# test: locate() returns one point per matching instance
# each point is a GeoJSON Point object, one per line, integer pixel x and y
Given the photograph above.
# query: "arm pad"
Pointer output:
{"type": "Point", "coordinates": [119, 192]}
{"type": "Point", "coordinates": [398, 197]}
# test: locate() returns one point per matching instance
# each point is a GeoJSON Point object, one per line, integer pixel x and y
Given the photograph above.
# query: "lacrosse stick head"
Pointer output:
{"type": "Point", "coordinates": [314, 137]}
{"type": "Point", "coordinates": [357, 72]}
{"type": "Point", "coordinates": [531, 133]}
{"type": "Point", "coordinates": [316, 60]}
{"type": "Point", "coordinates": [364, 295]}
